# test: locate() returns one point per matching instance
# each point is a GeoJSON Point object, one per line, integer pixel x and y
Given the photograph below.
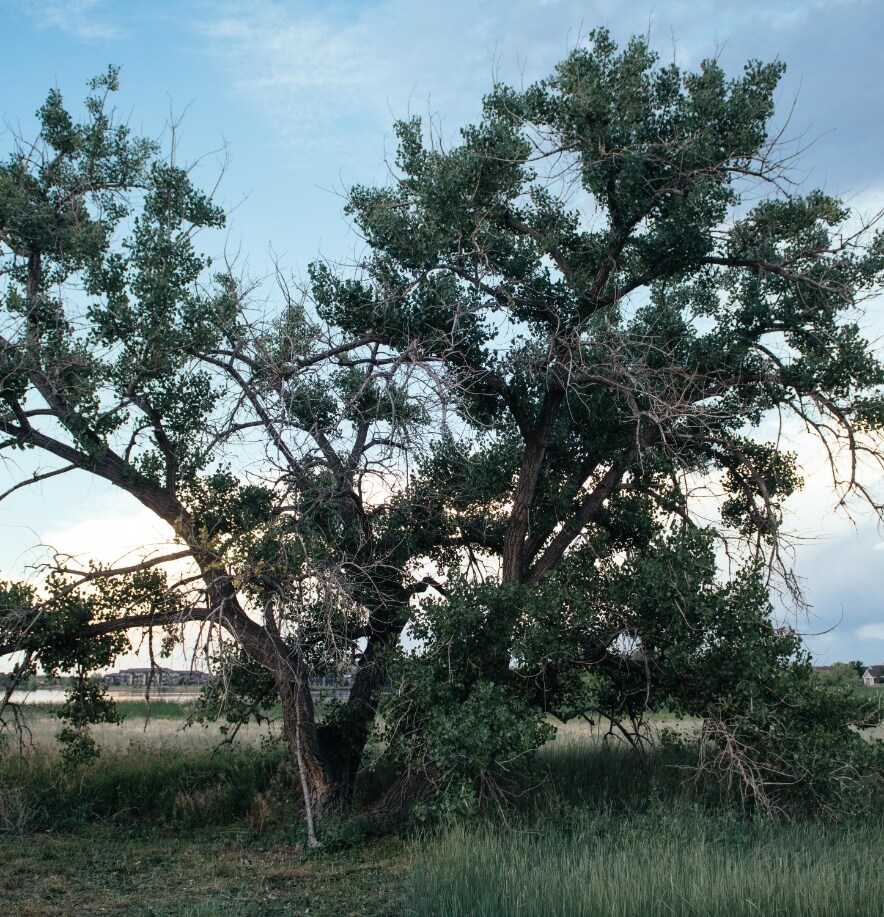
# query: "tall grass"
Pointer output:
{"type": "Point", "coordinates": [142, 785]}
{"type": "Point", "coordinates": [580, 769]}
{"type": "Point", "coordinates": [603, 831]}
{"type": "Point", "coordinates": [665, 862]}
{"type": "Point", "coordinates": [590, 829]}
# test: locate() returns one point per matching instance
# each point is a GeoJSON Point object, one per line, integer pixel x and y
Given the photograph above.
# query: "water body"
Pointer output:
{"type": "Point", "coordinates": [57, 696]}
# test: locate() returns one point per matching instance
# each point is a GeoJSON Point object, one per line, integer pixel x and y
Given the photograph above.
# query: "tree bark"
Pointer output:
{"type": "Point", "coordinates": [512, 562]}
{"type": "Point", "coordinates": [326, 786]}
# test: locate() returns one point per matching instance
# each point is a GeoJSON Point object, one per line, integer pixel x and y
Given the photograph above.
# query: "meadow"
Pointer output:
{"type": "Point", "coordinates": [167, 822]}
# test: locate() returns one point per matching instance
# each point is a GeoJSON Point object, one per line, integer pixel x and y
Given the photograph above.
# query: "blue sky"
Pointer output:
{"type": "Point", "coordinates": [300, 99]}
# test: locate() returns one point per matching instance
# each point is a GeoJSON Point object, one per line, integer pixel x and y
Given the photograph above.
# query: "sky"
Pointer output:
{"type": "Point", "coordinates": [294, 102]}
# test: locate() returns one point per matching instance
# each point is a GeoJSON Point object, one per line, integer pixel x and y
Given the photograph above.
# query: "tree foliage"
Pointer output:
{"type": "Point", "coordinates": [489, 435]}
{"type": "Point", "coordinates": [848, 674]}
{"type": "Point", "coordinates": [614, 281]}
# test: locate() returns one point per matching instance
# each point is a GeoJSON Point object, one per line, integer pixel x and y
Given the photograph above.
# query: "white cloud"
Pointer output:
{"type": "Point", "coordinates": [112, 537]}
{"type": "Point", "coordinates": [81, 19]}
{"type": "Point", "coordinates": [333, 79]}
{"type": "Point", "coordinates": [871, 632]}
{"type": "Point", "coordinates": [308, 74]}
{"type": "Point", "coordinates": [119, 535]}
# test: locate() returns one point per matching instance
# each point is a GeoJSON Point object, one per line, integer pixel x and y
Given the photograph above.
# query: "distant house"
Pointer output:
{"type": "Point", "coordinates": [873, 675]}
{"type": "Point", "coordinates": [158, 677]}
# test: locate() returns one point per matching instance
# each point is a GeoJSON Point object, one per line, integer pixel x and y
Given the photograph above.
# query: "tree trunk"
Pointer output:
{"type": "Point", "coordinates": [330, 754]}
{"type": "Point", "coordinates": [327, 786]}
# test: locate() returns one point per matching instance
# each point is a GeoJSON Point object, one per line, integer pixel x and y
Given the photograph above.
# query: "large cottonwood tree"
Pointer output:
{"type": "Point", "coordinates": [589, 302]}
{"type": "Point", "coordinates": [617, 283]}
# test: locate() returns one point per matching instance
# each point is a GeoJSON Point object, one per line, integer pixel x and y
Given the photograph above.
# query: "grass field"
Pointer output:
{"type": "Point", "coordinates": [200, 873]}
{"type": "Point", "coordinates": [163, 824]}
{"type": "Point", "coordinates": [663, 862]}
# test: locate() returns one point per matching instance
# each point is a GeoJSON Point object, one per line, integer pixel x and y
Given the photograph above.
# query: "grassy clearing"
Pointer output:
{"type": "Point", "coordinates": [164, 824]}
{"type": "Point", "coordinates": [164, 728]}
{"type": "Point", "coordinates": [133, 710]}
{"type": "Point", "coordinates": [139, 710]}
{"type": "Point", "coordinates": [660, 862]}
{"type": "Point", "coordinates": [161, 825]}
{"type": "Point", "coordinates": [199, 874]}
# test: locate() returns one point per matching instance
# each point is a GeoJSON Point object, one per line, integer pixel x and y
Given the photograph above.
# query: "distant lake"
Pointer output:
{"type": "Point", "coordinates": [171, 695]}
{"type": "Point", "coordinates": [57, 695]}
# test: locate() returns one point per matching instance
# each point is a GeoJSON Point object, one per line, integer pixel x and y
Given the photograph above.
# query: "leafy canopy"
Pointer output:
{"type": "Point", "coordinates": [564, 324]}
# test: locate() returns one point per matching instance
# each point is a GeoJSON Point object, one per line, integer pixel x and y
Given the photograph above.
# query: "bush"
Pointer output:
{"type": "Point", "coordinates": [146, 787]}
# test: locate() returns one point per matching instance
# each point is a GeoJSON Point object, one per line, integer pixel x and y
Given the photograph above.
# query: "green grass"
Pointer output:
{"type": "Point", "coordinates": [579, 770]}
{"type": "Point", "coordinates": [164, 826]}
{"type": "Point", "coordinates": [201, 873]}
{"type": "Point", "coordinates": [871, 693]}
{"type": "Point", "coordinates": [160, 709]}
{"type": "Point", "coordinates": [661, 862]}
{"type": "Point", "coordinates": [131, 710]}
{"type": "Point", "coordinates": [184, 788]}
{"type": "Point", "coordinates": [594, 829]}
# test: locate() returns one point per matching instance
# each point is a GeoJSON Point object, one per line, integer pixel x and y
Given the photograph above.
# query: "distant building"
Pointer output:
{"type": "Point", "coordinates": [873, 675]}
{"type": "Point", "coordinates": [157, 677]}
{"type": "Point", "coordinates": [332, 680]}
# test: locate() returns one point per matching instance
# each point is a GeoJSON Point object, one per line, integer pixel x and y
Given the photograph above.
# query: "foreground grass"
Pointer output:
{"type": "Point", "coordinates": [163, 824]}
{"type": "Point", "coordinates": [656, 863]}
{"type": "Point", "coordinates": [198, 874]}
{"type": "Point", "coordinates": [605, 832]}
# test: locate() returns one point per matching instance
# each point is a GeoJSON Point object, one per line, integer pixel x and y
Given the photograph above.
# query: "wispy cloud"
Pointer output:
{"type": "Point", "coordinates": [341, 71]}
{"type": "Point", "coordinates": [310, 75]}
{"type": "Point", "coordinates": [333, 77]}
{"type": "Point", "coordinates": [87, 20]}
{"type": "Point", "coordinates": [871, 632]}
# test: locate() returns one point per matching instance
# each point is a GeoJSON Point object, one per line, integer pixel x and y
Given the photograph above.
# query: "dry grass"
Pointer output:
{"type": "Point", "coordinates": [138, 731]}
{"type": "Point", "coordinates": [202, 873]}
{"type": "Point", "coordinates": [162, 826]}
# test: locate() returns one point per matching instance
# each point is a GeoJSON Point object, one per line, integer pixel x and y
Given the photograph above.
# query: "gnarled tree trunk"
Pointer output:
{"type": "Point", "coordinates": [328, 755]}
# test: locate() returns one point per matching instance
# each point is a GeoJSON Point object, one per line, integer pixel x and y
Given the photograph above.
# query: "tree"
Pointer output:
{"type": "Point", "coordinates": [616, 282]}
{"type": "Point", "coordinates": [125, 358]}
{"type": "Point", "coordinates": [841, 673]}
{"type": "Point", "coordinates": [563, 326]}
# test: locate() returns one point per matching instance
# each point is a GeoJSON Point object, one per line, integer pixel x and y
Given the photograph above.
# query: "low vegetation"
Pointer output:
{"type": "Point", "coordinates": [672, 861]}
{"type": "Point", "coordinates": [168, 823]}
{"type": "Point", "coordinates": [202, 873]}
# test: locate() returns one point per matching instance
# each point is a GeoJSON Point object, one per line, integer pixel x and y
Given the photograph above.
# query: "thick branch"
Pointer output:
{"type": "Point", "coordinates": [526, 486]}
{"type": "Point", "coordinates": [586, 512]}
{"type": "Point", "coordinates": [115, 625]}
